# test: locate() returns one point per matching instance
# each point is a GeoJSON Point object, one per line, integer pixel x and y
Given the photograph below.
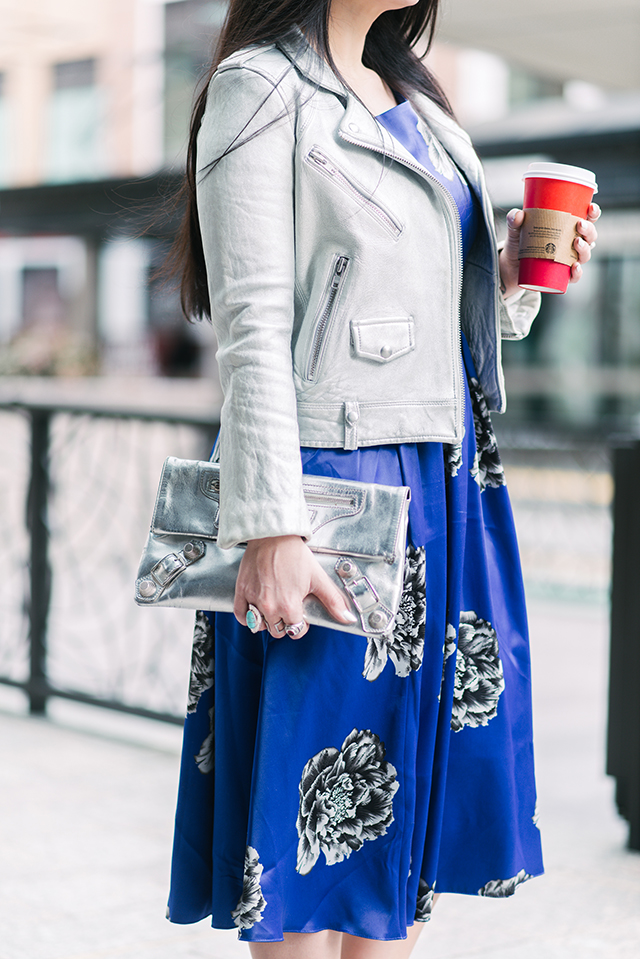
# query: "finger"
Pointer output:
{"type": "Point", "coordinates": [587, 231]}
{"type": "Point", "coordinates": [576, 273]}
{"type": "Point", "coordinates": [594, 212]}
{"type": "Point", "coordinates": [293, 621]}
{"type": "Point", "coordinates": [515, 219]}
{"type": "Point", "coordinates": [331, 597]}
{"type": "Point", "coordinates": [279, 630]}
{"type": "Point", "coordinates": [297, 629]}
{"type": "Point", "coordinates": [583, 249]}
{"type": "Point", "coordinates": [240, 609]}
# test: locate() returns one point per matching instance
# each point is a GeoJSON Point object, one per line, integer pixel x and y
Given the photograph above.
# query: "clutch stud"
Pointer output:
{"type": "Point", "coordinates": [376, 620]}
{"type": "Point", "coordinates": [192, 551]}
{"type": "Point", "coordinates": [345, 568]}
{"type": "Point", "coordinates": [146, 588]}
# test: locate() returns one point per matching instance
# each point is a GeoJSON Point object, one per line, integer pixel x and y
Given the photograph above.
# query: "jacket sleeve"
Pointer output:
{"type": "Point", "coordinates": [518, 311]}
{"type": "Point", "coordinates": [246, 213]}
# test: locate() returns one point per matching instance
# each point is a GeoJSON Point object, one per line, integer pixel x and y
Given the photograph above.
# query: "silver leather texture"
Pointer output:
{"type": "Point", "coordinates": [359, 535]}
{"type": "Point", "coordinates": [334, 264]}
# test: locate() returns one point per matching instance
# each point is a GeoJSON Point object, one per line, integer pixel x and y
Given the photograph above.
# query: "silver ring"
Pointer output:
{"type": "Point", "coordinates": [255, 620]}
{"type": "Point", "coordinates": [294, 629]}
{"type": "Point", "coordinates": [280, 626]}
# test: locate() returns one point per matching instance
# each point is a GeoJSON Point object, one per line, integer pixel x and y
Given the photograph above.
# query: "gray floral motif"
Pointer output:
{"type": "Point", "coordinates": [536, 816]}
{"type": "Point", "coordinates": [205, 758]}
{"type": "Point", "coordinates": [487, 469]}
{"type": "Point", "coordinates": [501, 888]}
{"type": "Point", "coordinates": [448, 650]}
{"type": "Point", "coordinates": [424, 904]}
{"type": "Point", "coordinates": [405, 646]}
{"type": "Point", "coordinates": [346, 797]}
{"type": "Point", "coordinates": [479, 677]}
{"type": "Point", "coordinates": [437, 154]}
{"type": "Point", "coordinates": [452, 458]}
{"type": "Point", "coordinates": [201, 677]}
{"type": "Point", "coordinates": [252, 903]}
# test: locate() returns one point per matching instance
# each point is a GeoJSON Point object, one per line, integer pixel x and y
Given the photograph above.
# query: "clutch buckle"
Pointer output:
{"type": "Point", "coordinates": [375, 617]}
{"type": "Point", "coordinates": [166, 570]}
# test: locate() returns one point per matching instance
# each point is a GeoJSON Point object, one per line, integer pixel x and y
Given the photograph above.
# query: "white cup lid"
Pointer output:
{"type": "Point", "coordinates": [562, 171]}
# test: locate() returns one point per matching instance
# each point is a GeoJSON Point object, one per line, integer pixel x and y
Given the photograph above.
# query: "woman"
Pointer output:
{"type": "Point", "coordinates": [334, 201]}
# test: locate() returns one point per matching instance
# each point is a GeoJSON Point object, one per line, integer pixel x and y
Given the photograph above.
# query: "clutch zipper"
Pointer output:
{"type": "Point", "coordinates": [328, 169]}
{"type": "Point", "coordinates": [450, 204]}
{"type": "Point", "coordinates": [335, 284]}
{"type": "Point", "coordinates": [322, 499]}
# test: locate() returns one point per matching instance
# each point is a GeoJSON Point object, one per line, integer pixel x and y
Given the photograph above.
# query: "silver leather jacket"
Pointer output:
{"type": "Point", "coordinates": [334, 264]}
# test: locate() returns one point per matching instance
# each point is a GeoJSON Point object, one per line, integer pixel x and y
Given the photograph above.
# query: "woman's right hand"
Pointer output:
{"type": "Point", "coordinates": [276, 574]}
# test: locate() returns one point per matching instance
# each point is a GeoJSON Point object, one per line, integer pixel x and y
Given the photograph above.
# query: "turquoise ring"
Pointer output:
{"type": "Point", "coordinates": [254, 619]}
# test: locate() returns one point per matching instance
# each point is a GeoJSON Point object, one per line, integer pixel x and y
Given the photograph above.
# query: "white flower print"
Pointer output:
{"type": "Point", "coordinates": [501, 888]}
{"type": "Point", "coordinates": [448, 650]}
{"type": "Point", "coordinates": [424, 904]}
{"type": "Point", "coordinates": [205, 757]}
{"type": "Point", "coordinates": [479, 677]}
{"type": "Point", "coordinates": [346, 797]}
{"type": "Point", "coordinates": [201, 677]}
{"type": "Point", "coordinates": [487, 469]}
{"type": "Point", "coordinates": [437, 154]}
{"type": "Point", "coordinates": [452, 458]}
{"type": "Point", "coordinates": [252, 903]}
{"type": "Point", "coordinates": [405, 645]}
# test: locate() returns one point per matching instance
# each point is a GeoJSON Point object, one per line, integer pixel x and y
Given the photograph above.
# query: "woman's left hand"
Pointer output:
{"type": "Point", "coordinates": [583, 244]}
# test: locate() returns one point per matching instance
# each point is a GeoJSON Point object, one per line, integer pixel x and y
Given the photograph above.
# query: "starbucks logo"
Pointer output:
{"type": "Point", "coordinates": [550, 248]}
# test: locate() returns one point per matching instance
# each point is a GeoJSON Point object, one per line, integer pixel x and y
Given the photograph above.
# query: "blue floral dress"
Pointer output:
{"type": "Point", "coordinates": [337, 782]}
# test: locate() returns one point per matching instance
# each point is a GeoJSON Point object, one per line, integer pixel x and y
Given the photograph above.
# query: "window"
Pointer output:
{"type": "Point", "coordinates": [75, 124]}
{"type": "Point", "coordinates": [4, 134]}
{"type": "Point", "coordinates": [192, 28]}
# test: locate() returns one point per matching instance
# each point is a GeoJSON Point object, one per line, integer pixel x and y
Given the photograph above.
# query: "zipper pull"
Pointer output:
{"type": "Point", "coordinates": [341, 266]}
{"type": "Point", "coordinates": [317, 157]}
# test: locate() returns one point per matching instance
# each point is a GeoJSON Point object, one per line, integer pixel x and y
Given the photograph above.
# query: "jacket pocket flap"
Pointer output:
{"type": "Point", "coordinates": [382, 340]}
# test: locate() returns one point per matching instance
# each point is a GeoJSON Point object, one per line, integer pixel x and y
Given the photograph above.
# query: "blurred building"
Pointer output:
{"type": "Point", "coordinates": [94, 106]}
{"type": "Point", "coordinates": [94, 93]}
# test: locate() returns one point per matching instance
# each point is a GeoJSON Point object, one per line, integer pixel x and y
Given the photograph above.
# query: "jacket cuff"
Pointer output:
{"type": "Point", "coordinates": [517, 313]}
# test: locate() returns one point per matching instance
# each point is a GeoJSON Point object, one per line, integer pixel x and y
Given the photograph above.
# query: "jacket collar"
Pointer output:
{"type": "Point", "coordinates": [360, 127]}
{"type": "Point", "coordinates": [310, 64]}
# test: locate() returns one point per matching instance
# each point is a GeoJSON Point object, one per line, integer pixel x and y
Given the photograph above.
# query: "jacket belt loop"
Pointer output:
{"type": "Point", "coordinates": [351, 417]}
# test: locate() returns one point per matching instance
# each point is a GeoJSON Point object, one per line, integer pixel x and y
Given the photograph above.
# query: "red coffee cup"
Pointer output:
{"type": "Point", "coordinates": [558, 195]}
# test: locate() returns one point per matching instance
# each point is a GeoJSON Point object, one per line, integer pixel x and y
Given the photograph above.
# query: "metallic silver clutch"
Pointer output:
{"type": "Point", "coordinates": [359, 538]}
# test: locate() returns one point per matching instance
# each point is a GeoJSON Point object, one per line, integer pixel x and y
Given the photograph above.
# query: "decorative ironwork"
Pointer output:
{"type": "Point", "coordinates": [69, 624]}
{"type": "Point", "coordinates": [78, 488]}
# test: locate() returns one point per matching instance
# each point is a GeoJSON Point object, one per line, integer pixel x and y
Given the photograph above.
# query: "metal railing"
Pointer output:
{"type": "Point", "coordinates": [77, 486]}
{"type": "Point", "coordinates": [68, 624]}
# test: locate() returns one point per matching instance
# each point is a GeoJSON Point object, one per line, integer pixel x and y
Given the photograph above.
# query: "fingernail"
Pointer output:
{"type": "Point", "coordinates": [511, 215]}
{"type": "Point", "coordinates": [349, 617]}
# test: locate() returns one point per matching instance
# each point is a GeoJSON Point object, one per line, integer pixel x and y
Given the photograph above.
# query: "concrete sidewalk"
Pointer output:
{"type": "Point", "coordinates": [87, 801]}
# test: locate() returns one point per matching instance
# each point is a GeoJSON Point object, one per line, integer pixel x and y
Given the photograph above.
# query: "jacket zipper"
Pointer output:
{"type": "Point", "coordinates": [328, 169]}
{"type": "Point", "coordinates": [453, 209]}
{"type": "Point", "coordinates": [335, 284]}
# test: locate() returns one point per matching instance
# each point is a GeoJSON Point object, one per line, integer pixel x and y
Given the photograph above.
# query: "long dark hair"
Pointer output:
{"type": "Point", "coordinates": [388, 50]}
